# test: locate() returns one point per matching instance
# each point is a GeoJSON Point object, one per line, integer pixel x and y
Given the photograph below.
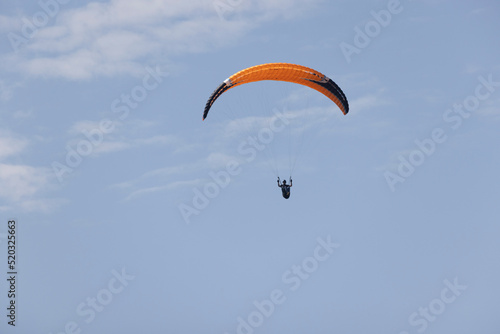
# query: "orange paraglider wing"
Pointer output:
{"type": "Point", "coordinates": [283, 72]}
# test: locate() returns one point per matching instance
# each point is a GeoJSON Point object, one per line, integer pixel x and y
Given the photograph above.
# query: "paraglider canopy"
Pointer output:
{"type": "Point", "coordinates": [283, 72]}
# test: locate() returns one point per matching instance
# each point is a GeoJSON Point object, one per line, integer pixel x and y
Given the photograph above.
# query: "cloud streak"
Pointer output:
{"type": "Point", "coordinates": [21, 185]}
{"type": "Point", "coordinates": [114, 38]}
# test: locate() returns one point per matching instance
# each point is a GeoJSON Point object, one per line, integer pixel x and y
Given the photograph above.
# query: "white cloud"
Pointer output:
{"type": "Point", "coordinates": [85, 125]}
{"type": "Point", "coordinates": [6, 91]}
{"type": "Point", "coordinates": [172, 185]}
{"type": "Point", "coordinates": [11, 145]}
{"type": "Point", "coordinates": [44, 205]}
{"type": "Point", "coordinates": [106, 39]}
{"type": "Point", "coordinates": [144, 191]}
{"type": "Point", "coordinates": [22, 185]}
{"type": "Point", "coordinates": [473, 69]}
{"type": "Point", "coordinates": [165, 175]}
{"type": "Point", "coordinates": [182, 184]}
{"type": "Point", "coordinates": [491, 108]}
{"type": "Point", "coordinates": [167, 178]}
{"type": "Point", "coordinates": [156, 140]}
{"type": "Point", "coordinates": [219, 160]}
{"type": "Point", "coordinates": [110, 147]}
{"type": "Point", "coordinates": [22, 114]}
{"type": "Point", "coordinates": [116, 145]}
{"type": "Point", "coordinates": [132, 134]}
{"type": "Point", "coordinates": [21, 181]}
{"type": "Point", "coordinates": [367, 102]}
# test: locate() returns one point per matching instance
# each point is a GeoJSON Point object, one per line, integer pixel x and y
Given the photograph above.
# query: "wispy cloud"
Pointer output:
{"type": "Point", "coordinates": [144, 191]}
{"type": "Point", "coordinates": [132, 134]}
{"type": "Point", "coordinates": [23, 187]}
{"type": "Point", "coordinates": [43, 205]}
{"type": "Point", "coordinates": [185, 175]}
{"type": "Point", "coordinates": [110, 38]}
{"type": "Point", "coordinates": [6, 90]}
{"type": "Point", "coordinates": [11, 144]}
{"type": "Point", "coordinates": [122, 144]}
{"type": "Point", "coordinates": [491, 108]}
{"type": "Point", "coordinates": [21, 181]}
{"type": "Point", "coordinates": [134, 194]}
{"type": "Point", "coordinates": [472, 68]}
{"type": "Point", "coordinates": [22, 114]}
{"type": "Point", "coordinates": [367, 102]}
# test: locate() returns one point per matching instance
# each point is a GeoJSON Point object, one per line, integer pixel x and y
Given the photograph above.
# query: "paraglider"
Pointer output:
{"type": "Point", "coordinates": [285, 188]}
{"type": "Point", "coordinates": [288, 73]}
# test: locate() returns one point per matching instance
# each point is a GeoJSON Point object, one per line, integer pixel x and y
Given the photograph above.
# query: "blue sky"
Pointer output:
{"type": "Point", "coordinates": [133, 215]}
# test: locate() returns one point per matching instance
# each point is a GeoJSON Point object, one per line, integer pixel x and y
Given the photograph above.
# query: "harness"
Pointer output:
{"type": "Point", "coordinates": [286, 191]}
